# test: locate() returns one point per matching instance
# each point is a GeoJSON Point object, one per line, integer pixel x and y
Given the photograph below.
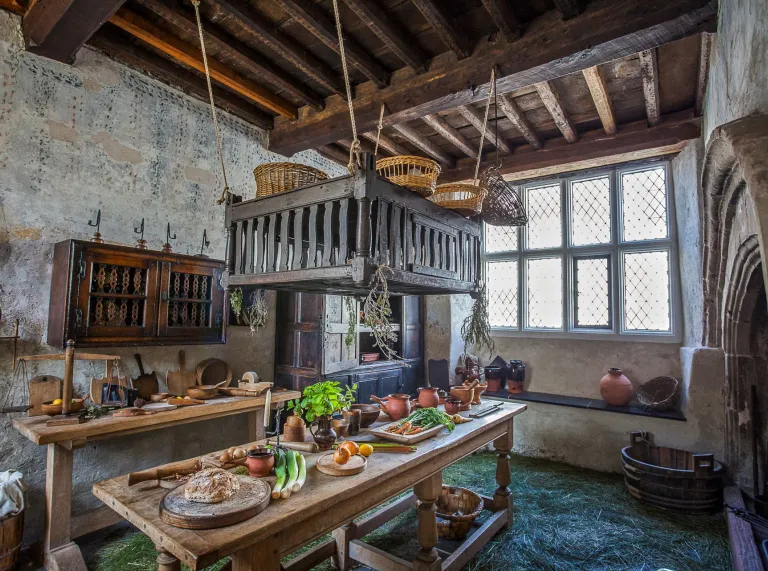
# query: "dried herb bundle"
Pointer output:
{"type": "Point", "coordinates": [476, 329]}
{"type": "Point", "coordinates": [256, 313]}
{"type": "Point", "coordinates": [349, 339]}
{"type": "Point", "coordinates": [377, 313]}
{"type": "Point", "coordinates": [236, 301]}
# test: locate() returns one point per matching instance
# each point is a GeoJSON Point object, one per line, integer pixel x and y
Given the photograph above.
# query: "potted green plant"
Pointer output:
{"type": "Point", "coordinates": [318, 404]}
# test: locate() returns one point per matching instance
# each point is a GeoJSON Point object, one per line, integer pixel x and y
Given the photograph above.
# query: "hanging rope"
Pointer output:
{"type": "Point", "coordinates": [225, 194]}
{"type": "Point", "coordinates": [380, 126]}
{"type": "Point", "coordinates": [492, 87]}
{"type": "Point", "coordinates": [354, 149]}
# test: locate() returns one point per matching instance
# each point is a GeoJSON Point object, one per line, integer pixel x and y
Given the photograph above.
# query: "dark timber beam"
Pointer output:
{"type": "Point", "coordinates": [450, 134]}
{"type": "Point", "coordinates": [444, 28]}
{"type": "Point", "coordinates": [57, 29]}
{"type": "Point", "coordinates": [365, 146]}
{"type": "Point", "coordinates": [594, 148]}
{"type": "Point", "coordinates": [108, 41]}
{"type": "Point", "coordinates": [475, 119]}
{"type": "Point", "coordinates": [387, 143]}
{"type": "Point", "coordinates": [551, 100]}
{"type": "Point", "coordinates": [504, 18]}
{"type": "Point", "coordinates": [508, 106]}
{"type": "Point", "coordinates": [426, 145]}
{"type": "Point", "coordinates": [550, 48]}
{"type": "Point", "coordinates": [600, 98]}
{"type": "Point", "coordinates": [649, 68]}
{"type": "Point", "coordinates": [13, 6]}
{"type": "Point", "coordinates": [313, 19]}
{"type": "Point", "coordinates": [190, 55]}
{"type": "Point", "coordinates": [281, 44]}
{"type": "Point", "coordinates": [237, 51]}
{"type": "Point", "coordinates": [334, 153]}
{"type": "Point", "coordinates": [568, 8]}
{"type": "Point", "coordinates": [703, 75]}
{"type": "Point", "coordinates": [379, 23]}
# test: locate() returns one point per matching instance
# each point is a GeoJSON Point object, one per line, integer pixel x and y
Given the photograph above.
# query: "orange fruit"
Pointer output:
{"type": "Point", "coordinates": [341, 456]}
{"type": "Point", "coordinates": [366, 450]}
{"type": "Point", "coordinates": [350, 447]}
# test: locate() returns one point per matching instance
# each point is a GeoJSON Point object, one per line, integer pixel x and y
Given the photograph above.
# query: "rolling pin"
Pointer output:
{"type": "Point", "coordinates": [155, 474]}
{"type": "Point", "coordinates": [308, 447]}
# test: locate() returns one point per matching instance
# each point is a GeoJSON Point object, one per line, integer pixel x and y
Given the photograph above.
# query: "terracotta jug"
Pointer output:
{"type": "Point", "coordinates": [396, 406]}
{"type": "Point", "coordinates": [616, 389]}
{"type": "Point", "coordinates": [428, 397]}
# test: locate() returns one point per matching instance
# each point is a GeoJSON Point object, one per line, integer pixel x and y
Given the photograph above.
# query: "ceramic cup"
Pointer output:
{"type": "Point", "coordinates": [341, 427]}
{"type": "Point", "coordinates": [353, 418]}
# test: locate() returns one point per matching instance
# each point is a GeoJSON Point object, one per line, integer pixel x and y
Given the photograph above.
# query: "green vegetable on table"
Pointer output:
{"type": "Point", "coordinates": [427, 418]}
{"type": "Point", "coordinates": [293, 473]}
{"type": "Point", "coordinates": [281, 472]}
{"type": "Point", "coordinates": [302, 473]}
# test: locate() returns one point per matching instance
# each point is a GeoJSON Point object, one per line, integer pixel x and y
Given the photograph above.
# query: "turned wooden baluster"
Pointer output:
{"type": "Point", "coordinates": [166, 561]}
{"type": "Point", "coordinates": [428, 491]}
{"type": "Point", "coordinates": [502, 497]}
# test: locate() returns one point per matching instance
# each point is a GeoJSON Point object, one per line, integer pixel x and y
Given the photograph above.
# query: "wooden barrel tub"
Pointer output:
{"type": "Point", "coordinates": [671, 478]}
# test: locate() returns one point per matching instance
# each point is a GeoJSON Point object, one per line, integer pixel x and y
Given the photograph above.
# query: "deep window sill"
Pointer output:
{"type": "Point", "coordinates": [588, 335]}
{"type": "Point", "coordinates": [633, 408]}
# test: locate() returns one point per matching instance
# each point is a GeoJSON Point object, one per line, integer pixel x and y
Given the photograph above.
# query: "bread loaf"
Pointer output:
{"type": "Point", "coordinates": [211, 486]}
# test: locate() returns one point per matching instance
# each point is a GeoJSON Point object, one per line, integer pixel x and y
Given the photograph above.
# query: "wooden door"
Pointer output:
{"type": "Point", "coordinates": [367, 385]}
{"type": "Point", "coordinates": [390, 382]}
{"type": "Point", "coordinates": [191, 303]}
{"type": "Point", "coordinates": [340, 350]}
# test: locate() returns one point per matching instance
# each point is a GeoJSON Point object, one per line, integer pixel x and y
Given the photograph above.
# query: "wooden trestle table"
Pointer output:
{"type": "Point", "coordinates": [331, 504]}
{"type": "Point", "coordinates": [61, 527]}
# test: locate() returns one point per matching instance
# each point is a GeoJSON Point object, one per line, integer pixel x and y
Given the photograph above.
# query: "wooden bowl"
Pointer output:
{"type": "Point", "coordinates": [159, 397]}
{"type": "Point", "coordinates": [369, 413]}
{"type": "Point", "coordinates": [203, 392]}
{"type": "Point", "coordinates": [55, 409]}
{"type": "Point", "coordinates": [457, 508]}
{"type": "Point", "coordinates": [464, 394]}
{"type": "Point", "coordinates": [340, 427]}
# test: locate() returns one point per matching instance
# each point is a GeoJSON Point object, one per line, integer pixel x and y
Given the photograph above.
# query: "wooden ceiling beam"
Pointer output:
{"type": "Point", "coordinates": [237, 51]}
{"type": "Point", "coordinates": [278, 42]}
{"type": "Point", "coordinates": [445, 28]}
{"type": "Point", "coordinates": [504, 18]}
{"type": "Point", "coordinates": [594, 148]}
{"type": "Point", "coordinates": [649, 69]}
{"type": "Point", "coordinates": [554, 105]}
{"type": "Point", "coordinates": [315, 21]}
{"type": "Point", "coordinates": [426, 145]}
{"type": "Point", "coordinates": [450, 134]}
{"type": "Point", "coordinates": [475, 118]}
{"type": "Point", "coordinates": [387, 143]}
{"type": "Point", "coordinates": [366, 146]}
{"type": "Point", "coordinates": [57, 29]}
{"type": "Point", "coordinates": [191, 56]}
{"type": "Point", "coordinates": [601, 98]}
{"type": "Point", "coordinates": [508, 106]}
{"type": "Point", "coordinates": [334, 153]}
{"type": "Point", "coordinates": [379, 23]}
{"type": "Point", "coordinates": [12, 6]}
{"type": "Point", "coordinates": [550, 48]}
{"type": "Point", "coordinates": [568, 8]}
{"type": "Point", "coordinates": [703, 75]}
{"type": "Point", "coordinates": [109, 42]}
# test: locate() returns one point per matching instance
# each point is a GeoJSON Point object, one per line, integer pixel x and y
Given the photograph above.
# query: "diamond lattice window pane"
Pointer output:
{"type": "Point", "coordinates": [502, 293]}
{"type": "Point", "coordinates": [646, 291]}
{"type": "Point", "coordinates": [544, 287]}
{"type": "Point", "coordinates": [644, 205]}
{"type": "Point", "coordinates": [591, 212]}
{"type": "Point", "coordinates": [593, 292]}
{"type": "Point", "coordinates": [544, 229]}
{"type": "Point", "coordinates": [500, 239]}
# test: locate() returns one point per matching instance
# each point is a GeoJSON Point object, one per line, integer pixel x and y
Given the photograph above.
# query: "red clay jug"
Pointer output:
{"type": "Point", "coordinates": [616, 389]}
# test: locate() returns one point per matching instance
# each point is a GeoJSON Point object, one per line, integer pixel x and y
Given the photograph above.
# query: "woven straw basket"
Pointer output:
{"type": "Point", "coordinates": [274, 178]}
{"type": "Point", "coordinates": [502, 205]}
{"type": "Point", "coordinates": [414, 173]}
{"type": "Point", "coordinates": [466, 199]}
{"type": "Point", "coordinates": [457, 508]}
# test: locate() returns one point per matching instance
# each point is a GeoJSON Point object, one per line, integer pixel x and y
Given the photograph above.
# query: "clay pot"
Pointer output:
{"type": "Point", "coordinates": [515, 386]}
{"type": "Point", "coordinates": [324, 435]}
{"type": "Point", "coordinates": [340, 427]}
{"type": "Point", "coordinates": [616, 389]}
{"type": "Point", "coordinates": [452, 405]}
{"type": "Point", "coordinates": [479, 390]}
{"type": "Point", "coordinates": [428, 397]}
{"type": "Point", "coordinates": [396, 406]}
{"type": "Point", "coordinates": [464, 394]}
{"type": "Point", "coordinates": [295, 421]}
{"type": "Point", "coordinates": [295, 433]}
{"type": "Point", "coordinates": [260, 462]}
{"type": "Point", "coordinates": [353, 417]}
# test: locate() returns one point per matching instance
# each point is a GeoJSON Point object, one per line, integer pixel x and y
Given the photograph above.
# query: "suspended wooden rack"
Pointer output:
{"type": "Point", "coordinates": [329, 237]}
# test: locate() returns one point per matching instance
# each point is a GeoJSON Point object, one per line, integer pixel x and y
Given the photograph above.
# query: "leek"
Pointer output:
{"type": "Point", "coordinates": [293, 474]}
{"type": "Point", "coordinates": [280, 472]}
{"type": "Point", "coordinates": [302, 472]}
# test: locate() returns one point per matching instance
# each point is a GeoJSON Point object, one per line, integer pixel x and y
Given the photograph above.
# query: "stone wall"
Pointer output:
{"type": "Point", "coordinates": [74, 139]}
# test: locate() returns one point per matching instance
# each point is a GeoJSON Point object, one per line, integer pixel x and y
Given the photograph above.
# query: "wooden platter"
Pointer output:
{"type": "Point", "coordinates": [158, 406]}
{"type": "Point", "coordinates": [213, 371]}
{"type": "Point", "coordinates": [246, 389]}
{"type": "Point", "coordinates": [403, 438]}
{"type": "Point", "coordinates": [355, 465]}
{"type": "Point", "coordinates": [250, 500]}
{"type": "Point", "coordinates": [184, 402]}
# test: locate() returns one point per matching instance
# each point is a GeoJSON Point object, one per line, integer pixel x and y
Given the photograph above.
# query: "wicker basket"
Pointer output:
{"type": "Point", "coordinates": [659, 393]}
{"type": "Point", "coordinates": [466, 199]}
{"type": "Point", "coordinates": [414, 173]}
{"type": "Point", "coordinates": [273, 178]}
{"type": "Point", "coordinates": [457, 508]}
{"type": "Point", "coordinates": [502, 205]}
{"type": "Point", "coordinates": [11, 532]}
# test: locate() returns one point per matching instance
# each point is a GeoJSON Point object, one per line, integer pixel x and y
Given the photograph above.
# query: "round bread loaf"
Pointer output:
{"type": "Point", "coordinates": [211, 486]}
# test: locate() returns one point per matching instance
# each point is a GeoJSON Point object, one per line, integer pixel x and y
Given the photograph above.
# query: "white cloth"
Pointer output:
{"type": "Point", "coordinates": [12, 488]}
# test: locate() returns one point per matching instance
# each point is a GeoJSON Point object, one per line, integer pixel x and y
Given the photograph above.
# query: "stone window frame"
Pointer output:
{"type": "Point", "coordinates": [615, 250]}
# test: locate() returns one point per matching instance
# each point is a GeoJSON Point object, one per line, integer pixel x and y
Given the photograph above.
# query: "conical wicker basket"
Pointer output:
{"type": "Point", "coordinates": [414, 173]}
{"type": "Point", "coordinates": [466, 199]}
{"type": "Point", "coordinates": [502, 205]}
{"type": "Point", "coordinates": [274, 178]}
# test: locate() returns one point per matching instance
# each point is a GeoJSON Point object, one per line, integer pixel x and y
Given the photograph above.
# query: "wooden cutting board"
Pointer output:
{"type": "Point", "coordinates": [327, 465]}
{"type": "Point", "coordinates": [251, 499]}
{"type": "Point", "coordinates": [44, 388]}
{"type": "Point", "coordinates": [402, 438]}
{"type": "Point", "coordinates": [179, 381]}
{"type": "Point", "coordinates": [146, 383]}
{"type": "Point", "coordinates": [212, 372]}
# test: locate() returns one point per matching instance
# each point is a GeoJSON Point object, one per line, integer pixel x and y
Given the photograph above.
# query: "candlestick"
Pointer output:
{"type": "Point", "coordinates": [267, 404]}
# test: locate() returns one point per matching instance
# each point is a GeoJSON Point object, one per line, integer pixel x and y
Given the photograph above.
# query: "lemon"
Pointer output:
{"type": "Point", "coordinates": [57, 401]}
{"type": "Point", "coordinates": [366, 450]}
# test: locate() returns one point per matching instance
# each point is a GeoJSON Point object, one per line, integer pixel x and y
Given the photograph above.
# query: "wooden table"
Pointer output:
{"type": "Point", "coordinates": [59, 551]}
{"type": "Point", "coordinates": [330, 504]}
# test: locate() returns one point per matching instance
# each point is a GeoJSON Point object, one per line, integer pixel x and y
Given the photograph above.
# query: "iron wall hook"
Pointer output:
{"type": "Point", "coordinates": [96, 235]}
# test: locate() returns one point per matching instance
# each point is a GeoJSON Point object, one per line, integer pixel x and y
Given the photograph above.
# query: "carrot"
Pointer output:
{"type": "Point", "coordinates": [403, 429]}
{"type": "Point", "coordinates": [415, 430]}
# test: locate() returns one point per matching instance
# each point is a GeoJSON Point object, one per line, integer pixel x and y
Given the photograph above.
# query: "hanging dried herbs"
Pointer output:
{"type": "Point", "coordinates": [377, 313]}
{"type": "Point", "coordinates": [256, 313]}
{"type": "Point", "coordinates": [236, 301]}
{"type": "Point", "coordinates": [349, 339]}
{"type": "Point", "coordinates": [476, 329]}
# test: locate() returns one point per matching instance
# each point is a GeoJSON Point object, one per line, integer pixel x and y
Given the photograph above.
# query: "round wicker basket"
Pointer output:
{"type": "Point", "coordinates": [660, 393]}
{"type": "Point", "coordinates": [274, 178]}
{"type": "Point", "coordinates": [414, 173]}
{"type": "Point", "coordinates": [502, 205]}
{"type": "Point", "coordinates": [466, 199]}
{"type": "Point", "coordinates": [457, 508]}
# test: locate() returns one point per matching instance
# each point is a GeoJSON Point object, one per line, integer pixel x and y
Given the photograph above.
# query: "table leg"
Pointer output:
{"type": "Point", "coordinates": [264, 556]}
{"type": "Point", "coordinates": [59, 551]}
{"type": "Point", "coordinates": [256, 425]}
{"type": "Point", "coordinates": [166, 561]}
{"type": "Point", "coordinates": [502, 498]}
{"type": "Point", "coordinates": [343, 536]}
{"type": "Point", "coordinates": [428, 490]}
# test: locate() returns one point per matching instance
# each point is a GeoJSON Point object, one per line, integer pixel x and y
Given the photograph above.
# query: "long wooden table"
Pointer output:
{"type": "Point", "coordinates": [61, 527]}
{"type": "Point", "coordinates": [330, 504]}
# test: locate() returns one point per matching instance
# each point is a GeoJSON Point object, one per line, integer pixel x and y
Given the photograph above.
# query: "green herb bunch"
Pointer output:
{"type": "Point", "coordinates": [476, 329]}
{"type": "Point", "coordinates": [323, 400]}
